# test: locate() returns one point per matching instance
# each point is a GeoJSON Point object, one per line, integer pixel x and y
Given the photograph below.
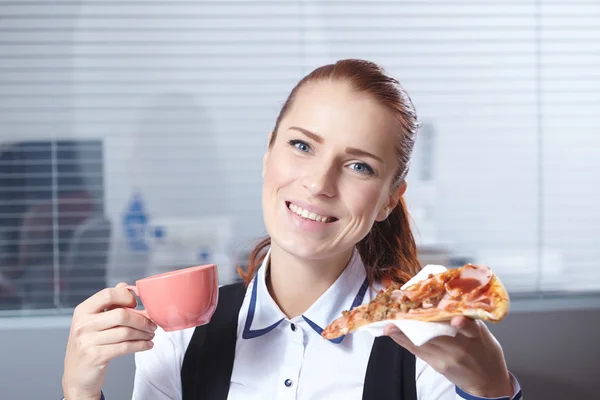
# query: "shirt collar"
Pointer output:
{"type": "Point", "coordinates": [347, 292]}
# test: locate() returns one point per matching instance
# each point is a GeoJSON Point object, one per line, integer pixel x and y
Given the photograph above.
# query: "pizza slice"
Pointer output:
{"type": "Point", "coordinates": [472, 290]}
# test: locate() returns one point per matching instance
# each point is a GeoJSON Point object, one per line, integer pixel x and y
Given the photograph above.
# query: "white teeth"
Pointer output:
{"type": "Point", "coordinates": [307, 214]}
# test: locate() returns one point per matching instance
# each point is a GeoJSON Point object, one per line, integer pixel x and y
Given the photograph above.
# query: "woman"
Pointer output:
{"type": "Point", "coordinates": [333, 180]}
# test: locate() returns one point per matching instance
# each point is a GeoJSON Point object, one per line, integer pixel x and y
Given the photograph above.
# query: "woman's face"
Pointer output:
{"type": "Point", "coordinates": [328, 175]}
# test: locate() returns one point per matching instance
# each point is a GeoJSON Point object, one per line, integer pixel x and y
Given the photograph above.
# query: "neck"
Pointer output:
{"type": "Point", "coordinates": [295, 283]}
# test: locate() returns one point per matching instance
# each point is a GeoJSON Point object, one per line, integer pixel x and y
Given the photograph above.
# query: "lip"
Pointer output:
{"type": "Point", "coordinates": [310, 208]}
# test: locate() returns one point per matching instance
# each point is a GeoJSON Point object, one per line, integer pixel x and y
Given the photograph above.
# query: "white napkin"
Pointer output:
{"type": "Point", "coordinates": [418, 332]}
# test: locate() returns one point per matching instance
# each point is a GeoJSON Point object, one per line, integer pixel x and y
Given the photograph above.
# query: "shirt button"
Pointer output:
{"type": "Point", "coordinates": [293, 327]}
{"type": "Point", "coordinates": [288, 382]}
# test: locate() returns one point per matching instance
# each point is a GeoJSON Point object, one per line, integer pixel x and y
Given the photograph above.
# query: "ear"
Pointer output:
{"type": "Point", "coordinates": [392, 202]}
{"type": "Point", "coordinates": [266, 156]}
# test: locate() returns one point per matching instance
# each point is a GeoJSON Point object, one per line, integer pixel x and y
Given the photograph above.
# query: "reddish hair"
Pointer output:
{"type": "Point", "coordinates": [388, 251]}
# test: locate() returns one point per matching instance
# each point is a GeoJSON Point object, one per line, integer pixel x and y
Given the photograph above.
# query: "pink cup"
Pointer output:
{"type": "Point", "coordinates": [179, 299]}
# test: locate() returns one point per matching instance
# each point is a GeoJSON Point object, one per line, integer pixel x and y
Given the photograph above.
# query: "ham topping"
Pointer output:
{"type": "Point", "coordinates": [443, 291]}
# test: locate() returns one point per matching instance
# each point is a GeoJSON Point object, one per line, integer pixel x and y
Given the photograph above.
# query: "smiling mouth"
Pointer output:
{"type": "Point", "coordinates": [301, 212]}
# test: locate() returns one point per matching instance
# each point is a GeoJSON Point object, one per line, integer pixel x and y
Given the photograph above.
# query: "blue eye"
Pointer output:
{"type": "Point", "coordinates": [362, 168]}
{"type": "Point", "coordinates": [300, 145]}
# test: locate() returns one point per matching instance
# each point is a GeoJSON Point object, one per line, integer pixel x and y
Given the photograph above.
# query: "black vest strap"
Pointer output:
{"type": "Point", "coordinates": [390, 372]}
{"type": "Point", "coordinates": [208, 361]}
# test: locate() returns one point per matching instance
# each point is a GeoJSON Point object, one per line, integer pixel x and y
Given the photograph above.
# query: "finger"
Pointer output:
{"type": "Point", "coordinates": [120, 334]}
{"type": "Point", "coordinates": [107, 298]}
{"type": "Point", "coordinates": [118, 286]}
{"type": "Point", "coordinates": [449, 344]}
{"type": "Point", "coordinates": [466, 326]}
{"type": "Point", "coordinates": [399, 337]}
{"type": "Point", "coordinates": [391, 329]}
{"type": "Point", "coordinates": [424, 351]}
{"type": "Point", "coordinates": [111, 351]}
{"type": "Point", "coordinates": [121, 317]}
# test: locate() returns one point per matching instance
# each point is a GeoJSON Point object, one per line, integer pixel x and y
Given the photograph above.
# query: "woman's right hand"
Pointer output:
{"type": "Point", "coordinates": [97, 336]}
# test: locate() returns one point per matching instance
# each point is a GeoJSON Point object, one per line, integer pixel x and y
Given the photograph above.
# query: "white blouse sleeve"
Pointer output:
{"type": "Point", "coordinates": [158, 371]}
{"type": "Point", "coordinates": [431, 385]}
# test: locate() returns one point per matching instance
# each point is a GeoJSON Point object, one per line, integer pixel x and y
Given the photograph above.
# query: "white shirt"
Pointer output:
{"type": "Point", "coordinates": [283, 359]}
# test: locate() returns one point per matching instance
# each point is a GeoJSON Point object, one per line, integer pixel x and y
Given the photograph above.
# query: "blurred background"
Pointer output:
{"type": "Point", "coordinates": [132, 132]}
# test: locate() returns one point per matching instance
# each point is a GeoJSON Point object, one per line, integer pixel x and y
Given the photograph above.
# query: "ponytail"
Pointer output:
{"type": "Point", "coordinates": [389, 252]}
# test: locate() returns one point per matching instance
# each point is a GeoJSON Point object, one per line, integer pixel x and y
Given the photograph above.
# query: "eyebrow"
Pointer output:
{"type": "Point", "coordinates": [362, 153]}
{"type": "Point", "coordinates": [349, 150]}
{"type": "Point", "coordinates": [308, 133]}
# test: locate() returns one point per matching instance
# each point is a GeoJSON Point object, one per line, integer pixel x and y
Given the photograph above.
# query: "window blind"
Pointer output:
{"type": "Point", "coordinates": [167, 105]}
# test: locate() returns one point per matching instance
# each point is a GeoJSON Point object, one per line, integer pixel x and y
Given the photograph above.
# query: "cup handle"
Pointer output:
{"type": "Point", "coordinates": [134, 289]}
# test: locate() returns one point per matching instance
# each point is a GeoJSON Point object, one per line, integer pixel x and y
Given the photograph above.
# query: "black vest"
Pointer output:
{"type": "Point", "coordinates": [208, 361]}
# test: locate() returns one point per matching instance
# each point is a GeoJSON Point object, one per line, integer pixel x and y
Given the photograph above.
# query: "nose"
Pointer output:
{"type": "Point", "coordinates": [321, 181]}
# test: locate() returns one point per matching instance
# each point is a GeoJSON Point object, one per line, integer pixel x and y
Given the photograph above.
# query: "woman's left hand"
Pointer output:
{"type": "Point", "coordinates": [473, 360]}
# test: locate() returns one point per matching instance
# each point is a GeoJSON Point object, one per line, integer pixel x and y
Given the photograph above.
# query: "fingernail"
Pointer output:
{"type": "Point", "coordinates": [153, 327]}
{"type": "Point", "coordinates": [150, 344]}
